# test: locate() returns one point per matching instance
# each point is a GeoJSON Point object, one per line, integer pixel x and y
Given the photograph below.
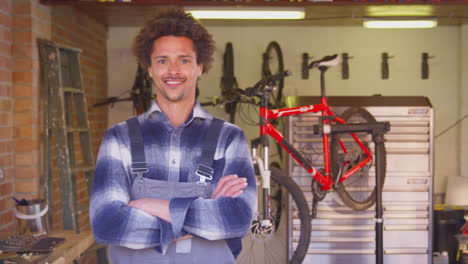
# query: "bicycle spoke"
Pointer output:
{"type": "Point", "coordinates": [271, 247]}
{"type": "Point", "coordinates": [276, 257]}
{"type": "Point", "coordinates": [246, 256]}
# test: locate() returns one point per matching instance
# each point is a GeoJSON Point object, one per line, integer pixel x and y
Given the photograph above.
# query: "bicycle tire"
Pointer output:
{"type": "Point", "coordinates": [255, 246]}
{"type": "Point", "coordinates": [273, 55]}
{"type": "Point", "coordinates": [358, 196]}
{"type": "Point", "coordinates": [273, 63]}
{"type": "Point", "coordinates": [228, 81]}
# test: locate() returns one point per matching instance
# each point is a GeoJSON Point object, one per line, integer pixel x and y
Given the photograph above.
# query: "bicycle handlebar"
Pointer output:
{"type": "Point", "coordinates": [239, 95]}
{"type": "Point", "coordinates": [265, 83]}
{"type": "Point", "coordinates": [279, 76]}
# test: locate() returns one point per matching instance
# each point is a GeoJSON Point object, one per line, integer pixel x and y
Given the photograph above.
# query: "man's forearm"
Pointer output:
{"type": "Point", "coordinates": [228, 186]}
{"type": "Point", "coordinates": [155, 207]}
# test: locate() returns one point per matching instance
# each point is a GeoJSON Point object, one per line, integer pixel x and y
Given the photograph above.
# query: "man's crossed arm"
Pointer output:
{"type": "Point", "coordinates": [228, 186]}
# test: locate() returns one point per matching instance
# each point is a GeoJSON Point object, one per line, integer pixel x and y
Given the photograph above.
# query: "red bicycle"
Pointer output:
{"type": "Point", "coordinates": [354, 164]}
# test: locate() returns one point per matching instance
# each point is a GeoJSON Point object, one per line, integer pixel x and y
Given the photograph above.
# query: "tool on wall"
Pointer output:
{"type": "Point", "coordinates": [305, 65]}
{"type": "Point", "coordinates": [66, 122]}
{"type": "Point", "coordinates": [425, 65]}
{"type": "Point", "coordinates": [384, 65]}
{"type": "Point", "coordinates": [345, 66]}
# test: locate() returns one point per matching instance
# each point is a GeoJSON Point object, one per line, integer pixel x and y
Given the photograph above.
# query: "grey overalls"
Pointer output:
{"type": "Point", "coordinates": [191, 250]}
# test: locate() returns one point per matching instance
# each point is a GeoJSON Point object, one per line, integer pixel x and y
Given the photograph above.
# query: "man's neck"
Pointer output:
{"type": "Point", "coordinates": [177, 112]}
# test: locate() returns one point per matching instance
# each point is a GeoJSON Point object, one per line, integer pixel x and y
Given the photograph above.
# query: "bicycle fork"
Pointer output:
{"type": "Point", "coordinates": [265, 174]}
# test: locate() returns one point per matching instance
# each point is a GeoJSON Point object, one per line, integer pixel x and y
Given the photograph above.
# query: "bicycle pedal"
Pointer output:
{"type": "Point", "coordinates": [314, 206]}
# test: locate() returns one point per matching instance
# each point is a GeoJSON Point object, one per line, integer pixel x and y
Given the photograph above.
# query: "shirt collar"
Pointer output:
{"type": "Point", "coordinates": [197, 112]}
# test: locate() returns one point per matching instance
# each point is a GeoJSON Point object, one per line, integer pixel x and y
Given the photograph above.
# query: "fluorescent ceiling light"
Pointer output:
{"type": "Point", "coordinates": [399, 11]}
{"type": "Point", "coordinates": [400, 23]}
{"type": "Point", "coordinates": [245, 13]}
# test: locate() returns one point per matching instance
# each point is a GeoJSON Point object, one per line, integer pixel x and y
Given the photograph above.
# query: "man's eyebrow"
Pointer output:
{"type": "Point", "coordinates": [185, 56]}
{"type": "Point", "coordinates": [165, 56]}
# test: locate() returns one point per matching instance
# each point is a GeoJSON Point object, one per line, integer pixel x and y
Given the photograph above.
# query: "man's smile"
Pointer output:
{"type": "Point", "coordinates": [173, 81]}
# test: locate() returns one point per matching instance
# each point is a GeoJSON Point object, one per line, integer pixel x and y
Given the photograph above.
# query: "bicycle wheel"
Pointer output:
{"type": "Point", "coordinates": [359, 190]}
{"type": "Point", "coordinates": [228, 81]}
{"type": "Point", "coordinates": [273, 64]}
{"type": "Point", "coordinates": [271, 245]}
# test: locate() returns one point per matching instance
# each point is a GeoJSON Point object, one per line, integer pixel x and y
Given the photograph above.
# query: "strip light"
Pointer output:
{"type": "Point", "coordinates": [243, 13]}
{"type": "Point", "coordinates": [399, 23]}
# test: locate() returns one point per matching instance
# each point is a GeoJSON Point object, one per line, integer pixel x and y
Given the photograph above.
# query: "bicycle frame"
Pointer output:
{"type": "Point", "coordinates": [328, 118]}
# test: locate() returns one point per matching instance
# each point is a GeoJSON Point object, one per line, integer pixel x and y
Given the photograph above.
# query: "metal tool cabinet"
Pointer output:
{"type": "Point", "coordinates": [340, 235]}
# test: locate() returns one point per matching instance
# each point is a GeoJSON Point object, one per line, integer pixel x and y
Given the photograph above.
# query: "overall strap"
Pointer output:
{"type": "Point", "coordinates": [137, 148]}
{"type": "Point", "coordinates": [205, 167]}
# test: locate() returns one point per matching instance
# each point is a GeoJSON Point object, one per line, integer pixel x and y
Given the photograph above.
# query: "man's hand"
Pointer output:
{"type": "Point", "coordinates": [229, 186]}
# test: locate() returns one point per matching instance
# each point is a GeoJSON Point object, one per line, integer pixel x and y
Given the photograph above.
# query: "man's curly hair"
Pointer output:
{"type": "Point", "coordinates": [174, 22]}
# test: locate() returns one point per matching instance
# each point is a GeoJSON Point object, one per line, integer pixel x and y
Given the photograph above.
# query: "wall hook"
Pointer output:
{"type": "Point", "coordinates": [425, 65]}
{"type": "Point", "coordinates": [345, 66]}
{"type": "Point", "coordinates": [305, 65]}
{"type": "Point", "coordinates": [384, 65]}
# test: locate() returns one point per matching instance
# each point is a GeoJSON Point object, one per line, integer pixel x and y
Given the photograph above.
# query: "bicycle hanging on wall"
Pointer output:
{"type": "Point", "coordinates": [141, 93]}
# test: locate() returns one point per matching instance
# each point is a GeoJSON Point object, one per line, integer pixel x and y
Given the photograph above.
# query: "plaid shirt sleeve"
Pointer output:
{"type": "Point", "coordinates": [113, 222]}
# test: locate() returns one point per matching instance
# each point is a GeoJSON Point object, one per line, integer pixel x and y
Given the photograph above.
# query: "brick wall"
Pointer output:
{"type": "Point", "coordinates": [6, 117]}
{"type": "Point", "coordinates": [30, 21]}
{"type": "Point", "coordinates": [21, 113]}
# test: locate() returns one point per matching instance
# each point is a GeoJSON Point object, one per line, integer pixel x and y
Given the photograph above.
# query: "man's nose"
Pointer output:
{"type": "Point", "coordinates": [173, 67]}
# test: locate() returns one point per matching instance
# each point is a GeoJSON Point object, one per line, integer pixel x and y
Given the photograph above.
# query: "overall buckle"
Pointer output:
{"type": "Point", "coordinates": [205, 173]}
{"type": "Point", "coordinates": [139, 168]}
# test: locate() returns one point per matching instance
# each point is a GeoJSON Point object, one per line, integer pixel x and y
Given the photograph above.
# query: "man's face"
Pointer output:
{"type": "Point", "coordinates": [174, 69]}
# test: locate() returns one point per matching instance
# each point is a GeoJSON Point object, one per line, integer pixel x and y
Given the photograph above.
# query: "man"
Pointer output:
{"type": "Point", "coordinates": [167, 212]}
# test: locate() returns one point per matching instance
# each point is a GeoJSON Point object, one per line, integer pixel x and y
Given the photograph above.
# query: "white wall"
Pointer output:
{"type": "Point", "coordinates": [366, 45]}
{"type": "Point", "coordinates": [464, 101]}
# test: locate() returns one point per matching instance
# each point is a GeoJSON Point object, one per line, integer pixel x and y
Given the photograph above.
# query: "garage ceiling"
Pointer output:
{"type": "Point", "coordinates": [317, 13]}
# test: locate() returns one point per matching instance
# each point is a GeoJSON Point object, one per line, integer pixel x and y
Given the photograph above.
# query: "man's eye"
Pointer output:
{"type": "Point", "coordinates": [161, 61]}
{"type": "Point", "coordinates": [185, 61]}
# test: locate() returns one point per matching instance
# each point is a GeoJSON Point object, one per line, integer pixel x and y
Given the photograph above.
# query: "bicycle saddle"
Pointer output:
{"type": "Point", "coordinates": [331, 60]}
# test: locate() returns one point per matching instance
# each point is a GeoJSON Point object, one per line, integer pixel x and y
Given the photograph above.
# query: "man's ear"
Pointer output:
{"type": "Point", "coordinates": [149, 72]}
{"type": "Point", "coordinates": [200, 70]}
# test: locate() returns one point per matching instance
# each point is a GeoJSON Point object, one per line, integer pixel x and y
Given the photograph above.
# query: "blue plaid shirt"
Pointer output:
{"type": "Point", "coordinates": [172, 154]}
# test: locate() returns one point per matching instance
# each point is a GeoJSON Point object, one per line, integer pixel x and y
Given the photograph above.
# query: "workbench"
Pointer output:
{"type": "Point", "coordinates": [71, 249]}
